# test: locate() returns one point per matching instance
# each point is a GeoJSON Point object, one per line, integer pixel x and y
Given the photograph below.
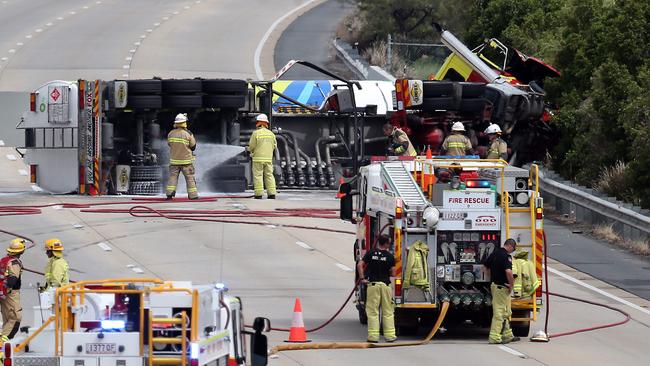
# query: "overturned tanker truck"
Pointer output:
{"type": "Point", "coordinates": [108, 137]}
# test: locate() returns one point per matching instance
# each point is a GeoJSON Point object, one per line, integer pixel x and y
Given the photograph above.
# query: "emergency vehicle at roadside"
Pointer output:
{"type": "Point", "coordinates": [450, 214]}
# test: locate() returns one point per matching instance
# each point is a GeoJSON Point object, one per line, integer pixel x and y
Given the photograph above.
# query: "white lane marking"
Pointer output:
{"type": "Point", "coordinates": [125, 75]}
{"type": "Point", "coordinates": [304, 245]}
{"type": "Point", "coordinates": [136, 43]}
{"type": "Point", "coordinates": [165, 18]}
{"type": "Point", "coordinates": [28, 36]}
{"type": "Point", "coordinates": [98, 2]}
{"type": "Point", "coordinates": [57, 207]}
{"type": "Point", "coordinates": [126, 66]}
{"type": "Point", "coordinates": [77, 226]}
{"type": "Point", "coordinates": [48, 24]}
{"type": "Point", "coordinates": [4, 59]}
{"type": "Point", "coordinates": [132, 51]}
{"type": "Point", "coordinates": [149, 30]}
{"type": "Point", "coordinates": [19, 44]}
{"type": "Point", "coordinates": [36, 188]}
{"type": "Point", "coordinates": [143, 36]}
{"type": "Point", "coordinates": [156, 24]}
{"type": "Point", "coordinates": [176, 13]}
{"type": "Point", "coordinates": [271, 226]}
{"type": "Point", "coordinates": [128, 58]}
{"type": "Point", "coordinates": [105, 247]}
{"type": "Point", "coordinates": [59, 18]}
{"type": "Point", "coordinates": [260, 45]}
{"type": "Point", "coordinates": [343, 267]}
{"type": "Point", "coordinates": [512, 351]}
{"type": "Point", "coordinates": [85, 7]}
{"type": "Point", "coordinates": [39, 30]}
{"type": "Point", "coordinates": [22, 172]}
{"type": "Point", "coordinates": [11, 157]}
{"type": "Point", "coordinates": [137, 270]}
{"type": "Point", "coordinates": [13, 50]}
{"type": "Point", "coordinates": [592, 288]}
{"type": "Point", "coordinates": [72, 13]}
{"type": "Point", "coordinates": [130, 265]}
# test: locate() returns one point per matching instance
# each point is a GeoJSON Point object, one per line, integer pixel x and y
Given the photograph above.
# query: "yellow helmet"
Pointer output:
{"type": "Point", "coordinates": [54, 244]}
{"type": "Point", "coordinates": [17, 246]}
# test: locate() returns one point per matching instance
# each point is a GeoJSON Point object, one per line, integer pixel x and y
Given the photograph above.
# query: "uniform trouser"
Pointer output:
{"type": "Point", "coordinates": [263, 176]}
{"type": "Point", "coordinates": [380, 294]}
{"type": "Point", "coordinates": [188, 172]}
{"type": "Point", "coordinates": [501, 312]}
{"type": "Point", "coordinates": [12, 314]}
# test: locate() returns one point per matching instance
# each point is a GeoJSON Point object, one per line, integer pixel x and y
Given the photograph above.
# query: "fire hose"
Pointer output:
{"type": "Point", "coordinates": [220, 215]}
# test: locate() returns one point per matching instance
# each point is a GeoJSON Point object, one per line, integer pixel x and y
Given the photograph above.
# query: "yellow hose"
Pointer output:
{"type": "Point", "coordinates": [362, 345]}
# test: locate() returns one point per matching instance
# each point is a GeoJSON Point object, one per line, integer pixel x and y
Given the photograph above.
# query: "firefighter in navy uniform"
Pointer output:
{"type": "Point", "coordinates": [376, 269]}
{"type": "Point", "coordinates": [12, 269]}
{"type": "Point", "coordinates": [499, 264]}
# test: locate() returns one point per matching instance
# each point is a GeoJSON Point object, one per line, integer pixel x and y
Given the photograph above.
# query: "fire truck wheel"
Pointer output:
{"type": "Point", "coordinates": [520, 329]}
{"type": "Point", "coordinates": [442, 103]}
{"type": "Point", "coordinates": [145, 173]}
{"type": "Point", "coordinates": [182, 86]}
{"type": "Point", "coordinates": [437, 88]}
{"type": "Point", "coordinates": [147, 188]}
{"type": "Point", "coordinates": [223, 101]}
{"type": "Point", "coordinates": [144, 101]}
{"type": "Point", "coordinates": [472, 105]}
{"type": "Point", "coordinates": [148, 86]}
{"type": "Point", "coordinates": [472, 90]}
{"type": "Point", "coordinates": [224, 86]}
{"type": "Point", "coordinates": [182, 101]}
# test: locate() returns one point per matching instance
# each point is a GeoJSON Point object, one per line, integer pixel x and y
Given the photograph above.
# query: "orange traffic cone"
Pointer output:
{"type": "Point", "coordinates": [297, 333]}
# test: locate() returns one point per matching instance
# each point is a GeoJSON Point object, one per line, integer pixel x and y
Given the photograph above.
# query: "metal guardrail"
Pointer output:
{"type": "Point", "coordinates": [357, 64]}
{"type": "Point", "coordinates": [583, 205]}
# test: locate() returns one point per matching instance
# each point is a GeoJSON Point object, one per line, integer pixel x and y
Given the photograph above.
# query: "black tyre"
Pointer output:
{"type": "Point", "coordinates": [144, 101]}
{"type": "Point", "coordinates": [472, 90]}
{"type": "Point", "coordinates": [223, 101]}
{"type": "Point", "coordinates": [146, 173]}
{"type": "Point", "coordinates": [182, 101]}
{"type": "Point", "coordinates": [147, 86]}
{"type": "Point", "coordinates": [442, 103]}
{"type": "Point", "coordinates": [183, 86]}
{"type": "Point", "coordinates": [148, 188]}
{"type": "Point", "coordinates": [472, 105]}
{"type": "Point", "coordinates": [437, 88]}
{"type": "Point", "coordinates": [225, 86]}
{"type": "Point", "coordinates": [520, 329]}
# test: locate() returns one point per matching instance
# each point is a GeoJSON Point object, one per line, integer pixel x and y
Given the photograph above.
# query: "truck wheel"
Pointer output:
{"type": "Point", "coordinates": [472, 105]}
{"type": "Point", "coordinates": [147, 86]}
{"type": "Point", "coordinates": [223, 101]}
{"type": "Point", "coordinates": [472, 90]}
{"type": "Point", "coordinates": [145, 173]}
{"type": "Point", "coordinates": [144, 101]}
{"type": "Point", "coordinates": [147, 188]}
{"type": "Point", "coordinates": [437, 88]}
{"type": "Point", "coordinates": [183, 86]}
{"type": "Point", "coordinates": [225, 86]}
{"type": "Point", "coordinates": [182, 101]}
{"type": "Point", "coordinates": [520, 329]}
{"type": "Point", "coordinates": [439, 103]}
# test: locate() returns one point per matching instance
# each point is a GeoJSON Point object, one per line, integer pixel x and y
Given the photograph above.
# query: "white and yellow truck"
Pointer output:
{"type": "Point", "coordinates": [459, 211]}
{"type": "Point", "coordinates": [137, 322]}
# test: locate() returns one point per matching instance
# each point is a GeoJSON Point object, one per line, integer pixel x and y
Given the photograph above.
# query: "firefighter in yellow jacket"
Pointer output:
{"type": "Point", "coordinates": [261, 146]}
{"type": "Point", "coordinates": [181, 158]}
{"type": "Point", "coordinates": [398, 141]}
{"type": "Point", "coordinates": [498, 148]}
{"type": "Point", "coordinates": [56, 270]}
{"type": "Point", "coordinates": [12, 310]}
{"type": "Point", "coordinates": [457, 144]}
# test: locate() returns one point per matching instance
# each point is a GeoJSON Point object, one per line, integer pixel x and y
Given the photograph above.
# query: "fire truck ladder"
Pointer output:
{"type": "Point", "coordinates": [402, 182]}
{"type": "Point", "coordinates": [180, 323]}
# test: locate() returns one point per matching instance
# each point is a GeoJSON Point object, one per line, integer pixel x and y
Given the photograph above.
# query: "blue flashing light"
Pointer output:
{"type": "Point", "coordinates": [113, 324]}
{"type": "Point", "coordinates": [478, 183]}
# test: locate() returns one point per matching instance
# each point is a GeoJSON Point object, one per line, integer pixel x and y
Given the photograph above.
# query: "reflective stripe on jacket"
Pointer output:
{"type": "Point", "coordinates": [261, 145]}
{"type": "Point", "coordinates": [526, 281]}
{"type": "Point", "coordinates": [498, 147]}
{"type": "Point", "coordinates": [400, 136]}
{"type": "Point", "coordinates": [181, 143]}
{"type": "Point", "coordinates": [457, 145]}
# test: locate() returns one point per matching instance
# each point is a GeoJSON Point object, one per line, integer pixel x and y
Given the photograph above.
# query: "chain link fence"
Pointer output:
{"type": "Point", "coordinates": [408, 58]}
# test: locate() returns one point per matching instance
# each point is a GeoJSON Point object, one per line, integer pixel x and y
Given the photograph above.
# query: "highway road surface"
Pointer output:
{"type": "Point", "coordinates": [267, 265]}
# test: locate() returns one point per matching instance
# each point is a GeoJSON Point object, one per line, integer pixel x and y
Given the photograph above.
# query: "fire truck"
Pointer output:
{"type": "Point", "coordinates": [137, 322]}
{"type": "Point", "coordinates": [461, 209]}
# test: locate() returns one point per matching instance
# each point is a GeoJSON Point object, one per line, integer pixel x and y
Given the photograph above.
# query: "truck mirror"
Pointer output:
{"type": "Point", "coordinates": [259, 342]}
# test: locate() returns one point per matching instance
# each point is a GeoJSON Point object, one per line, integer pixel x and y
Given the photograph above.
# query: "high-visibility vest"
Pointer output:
{"type": "Point", "coordinates": [417, 267]}
{"type": "Point", "coordinates": [526, 280]}
{"type": "Point", "coordinates": [261, 145]}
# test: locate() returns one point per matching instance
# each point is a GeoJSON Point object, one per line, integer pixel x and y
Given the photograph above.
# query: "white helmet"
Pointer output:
{"type": "Point", "coordinates": [262, 118]}
{"type": "Point", "coordinates": [458, 126]}
{"type": "Point", "coordinates": [493, 128]}
{"type": "Point", "coordinates": [180, 118]}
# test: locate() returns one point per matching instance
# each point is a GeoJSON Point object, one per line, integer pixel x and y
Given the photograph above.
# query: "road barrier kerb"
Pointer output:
{"type": "Point", "coordinates": [577, 202]}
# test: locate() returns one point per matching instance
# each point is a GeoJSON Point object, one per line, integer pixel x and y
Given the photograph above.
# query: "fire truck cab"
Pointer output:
{"type": "Point", "coordinates": [460, 210]}
{"type": "Point", "coordinates": [137, 322]}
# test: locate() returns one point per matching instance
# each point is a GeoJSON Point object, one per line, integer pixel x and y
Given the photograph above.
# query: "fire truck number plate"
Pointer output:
{"type": "Point", "coordinates": [101, 348]}
{"type": "Point", "coordinates": [453, 216]}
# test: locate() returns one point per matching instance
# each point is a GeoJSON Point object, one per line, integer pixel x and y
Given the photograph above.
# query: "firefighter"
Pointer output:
{"type": "Point", "coordinates": [398, 142]}
{"type": "Point", "coordinates": [376, 269]}
{"type": "Point", "coordinates": [181, 157]}
{"type": "Point", "coordinates": [261, 146]}
{"type": "Point", "coordinates": [56, 270]}
{"type": "Point", "coordinates": [498, 148]}
{"type": "Point", "coordinates": [499, 264]}
{"type": "Point", "coordinates": [457, 144]}
{"type": "Point", "coordinates": [12, 269]}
